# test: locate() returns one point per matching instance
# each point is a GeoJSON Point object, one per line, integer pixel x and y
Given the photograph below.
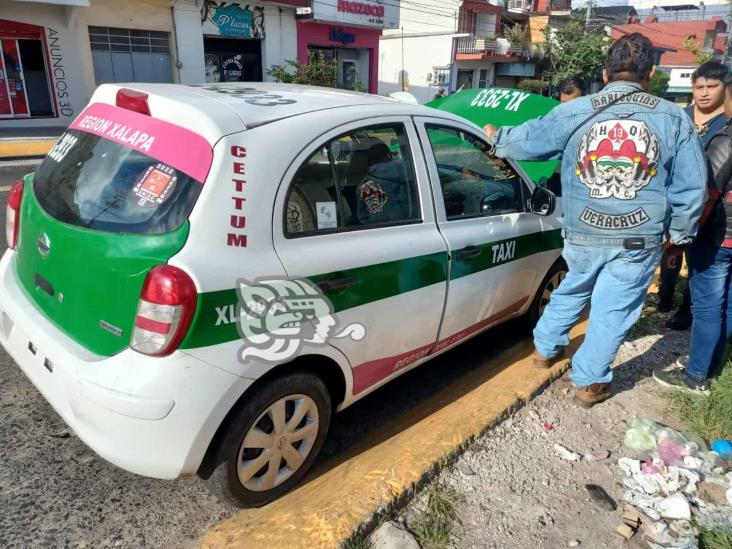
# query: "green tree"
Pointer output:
{"type": "Point", "coordinates": [696, 49]}
{"type": "Point", "coordinates": [574, 52]}
{"type": "Point", "coordinates": [532, 86]}
{"type": "Point", "coordinates": [317, 71]}
{"type": "Point", "coordinates": [658, 84]}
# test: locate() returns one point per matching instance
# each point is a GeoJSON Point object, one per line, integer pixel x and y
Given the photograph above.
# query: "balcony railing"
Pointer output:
{"type": "Point", "coordinates": [526, 6]}
{"type": "Point", "coordinates": [489, 46]}
{"type": "Point", "coordinates": [522, 6]}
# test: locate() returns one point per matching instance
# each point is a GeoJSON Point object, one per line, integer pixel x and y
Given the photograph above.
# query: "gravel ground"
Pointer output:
{"type": "Point", "coordinates": [516, 491]}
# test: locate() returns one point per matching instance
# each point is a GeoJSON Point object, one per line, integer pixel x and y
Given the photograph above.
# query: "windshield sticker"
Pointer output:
{"type": "Point", "coordinates": [154, 185]}
{"type": "Point", "coordinates": [327, 218]}
{"type": "Point", "coordinates": [184, 150]}
{"type": "Point", "coordinates": [62, 147]}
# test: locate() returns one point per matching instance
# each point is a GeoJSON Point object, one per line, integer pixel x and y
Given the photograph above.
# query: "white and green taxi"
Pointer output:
{"type": "Point", "coordinates": [197, 278]}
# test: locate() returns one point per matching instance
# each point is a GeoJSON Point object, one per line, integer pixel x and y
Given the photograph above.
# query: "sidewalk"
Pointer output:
{"type": "Point", "coordinates": [27, 142]}
{"type": "Point", "coordinates": [359, 486]}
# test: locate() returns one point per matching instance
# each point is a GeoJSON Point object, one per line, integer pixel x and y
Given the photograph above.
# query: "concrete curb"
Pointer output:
{"type": "Point", "coordinates": [350, 493]}
{"type": "Point", "coordinates": [25, 148]}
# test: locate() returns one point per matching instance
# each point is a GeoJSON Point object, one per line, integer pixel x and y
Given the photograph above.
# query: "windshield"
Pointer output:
{"type": "Point", "coordinates": [89, 181]}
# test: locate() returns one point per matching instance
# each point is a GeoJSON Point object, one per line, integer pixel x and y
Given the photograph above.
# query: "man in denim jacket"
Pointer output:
{"type": "Point", "coordinates": [633, 176]}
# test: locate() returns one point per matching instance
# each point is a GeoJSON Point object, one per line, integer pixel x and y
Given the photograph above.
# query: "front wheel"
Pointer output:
{"type": "Point", "coordinates": [544, 293]}
{"type": "Point", "coordinates": [271, 440]}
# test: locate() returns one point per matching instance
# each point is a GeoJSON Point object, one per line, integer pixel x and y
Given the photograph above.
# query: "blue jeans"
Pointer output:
{"type": "Point", "coordinates": [711, 307]}
{"type": "Point", "coordinates": [615, 282]}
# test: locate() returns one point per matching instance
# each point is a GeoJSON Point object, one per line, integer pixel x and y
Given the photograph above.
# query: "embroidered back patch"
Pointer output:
{"type": "Point", "coordinates": [614, 221]}
{"type": "Point", "coordinates": [617, 158]}
{"type": "Point", "coordinates": [639, 98]}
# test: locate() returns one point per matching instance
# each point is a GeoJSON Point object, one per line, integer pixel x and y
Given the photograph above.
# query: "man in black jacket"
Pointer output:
{"type": "Point", "coordinates": [710, 263]}
{"type": "Point", "coordinates": [707, 113]}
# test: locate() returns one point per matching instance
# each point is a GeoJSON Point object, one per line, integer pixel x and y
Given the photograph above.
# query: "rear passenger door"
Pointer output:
{"type": "Point", "coordinates": [355, 215]}
{"type": "Point", "coordinates": [480, 204]}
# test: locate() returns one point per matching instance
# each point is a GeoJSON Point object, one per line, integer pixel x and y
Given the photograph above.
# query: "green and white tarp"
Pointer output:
{"type": "Point", "coordinates": [502, 107]}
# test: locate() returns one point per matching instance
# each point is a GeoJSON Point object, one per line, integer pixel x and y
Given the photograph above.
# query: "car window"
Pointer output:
{"type": "Point", "coordinates": [361, 179]}
{"type": "Point", "coordinates": [92, 182]}
{"type": "Point", "coordinates": [473, 182]}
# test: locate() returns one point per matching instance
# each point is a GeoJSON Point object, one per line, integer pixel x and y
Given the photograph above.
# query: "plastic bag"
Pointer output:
{"type": "Point", "coordinates": [644, 436]}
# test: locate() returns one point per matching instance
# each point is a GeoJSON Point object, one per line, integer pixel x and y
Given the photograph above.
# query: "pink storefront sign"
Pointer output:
{"type": "Point", "coordinates": [339, 36]}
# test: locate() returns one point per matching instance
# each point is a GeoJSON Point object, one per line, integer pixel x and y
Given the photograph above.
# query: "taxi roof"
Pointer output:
{"type": "Point", "coordinates": [223, 108]}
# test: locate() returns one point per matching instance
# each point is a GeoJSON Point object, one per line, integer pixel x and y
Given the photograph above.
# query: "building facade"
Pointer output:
{"type": "Point", "coordinates": [347, 32]}
{"type": "Point", "coordinates": [53, 54]}
{"type": "Point", "coordinates": [470, 44]}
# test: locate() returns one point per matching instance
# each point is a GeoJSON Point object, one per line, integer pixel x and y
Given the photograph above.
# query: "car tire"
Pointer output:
{"type": "Point", "coordinates": [233, 474]}
{"type": "Point", "coordinates": [551, 281]}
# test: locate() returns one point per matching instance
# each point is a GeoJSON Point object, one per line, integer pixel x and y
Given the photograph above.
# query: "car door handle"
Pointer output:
{"type": "Point", "coordinates": [337, 283]}
{"type": "Point", "coordinates": [469, 252]}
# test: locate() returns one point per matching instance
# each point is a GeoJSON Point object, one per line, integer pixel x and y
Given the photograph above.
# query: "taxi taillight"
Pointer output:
{"type": "Point", "coordinates": [132, 101]}
{"type": "Point", "coordinates": [12, 214]}
{"type": "Point", "coordinates": [165, 311]}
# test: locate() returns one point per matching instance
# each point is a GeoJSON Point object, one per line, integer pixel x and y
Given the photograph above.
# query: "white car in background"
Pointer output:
{"type": "Point", "coordinates": [198, 277]}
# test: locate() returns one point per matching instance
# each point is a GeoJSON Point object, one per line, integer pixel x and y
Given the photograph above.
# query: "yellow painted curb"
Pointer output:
{"type": "Point", "coordinates": [346, 491]}
{"type": "Point", "coordinates": [30, 147]}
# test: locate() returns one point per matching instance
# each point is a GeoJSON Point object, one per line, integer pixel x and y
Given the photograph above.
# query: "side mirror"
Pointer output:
{"type": "Point", "coordinates": [543, 201]}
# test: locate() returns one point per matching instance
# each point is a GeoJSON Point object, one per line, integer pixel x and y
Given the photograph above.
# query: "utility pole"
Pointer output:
{"type": "Point", "coordinates": [588, 13]}
{"type": "Point", "coordinates": [405, 85]}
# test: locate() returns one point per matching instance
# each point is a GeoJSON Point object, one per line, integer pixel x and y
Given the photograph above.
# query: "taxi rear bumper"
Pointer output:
{"type": "Point", "coordinates": [150, 416]}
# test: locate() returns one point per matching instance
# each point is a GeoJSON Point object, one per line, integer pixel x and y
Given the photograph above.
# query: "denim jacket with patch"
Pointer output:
{"type": "Point", "coordinates": [637, 169]}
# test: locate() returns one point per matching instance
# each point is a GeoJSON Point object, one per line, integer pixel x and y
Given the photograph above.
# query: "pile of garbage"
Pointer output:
{"type": "Point", "coordinates": [674, 482]}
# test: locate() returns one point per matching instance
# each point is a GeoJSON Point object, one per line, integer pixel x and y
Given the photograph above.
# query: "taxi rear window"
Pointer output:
{"type": "Point", "coordinates": [90, 181]}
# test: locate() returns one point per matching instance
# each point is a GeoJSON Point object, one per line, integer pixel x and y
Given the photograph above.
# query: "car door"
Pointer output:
{"type": "Point", "coordinates": [481, 208]}
{"type": "Point", "coordinates": [355, 215]}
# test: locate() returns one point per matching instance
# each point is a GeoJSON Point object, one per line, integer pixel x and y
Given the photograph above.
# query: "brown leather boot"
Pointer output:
{"type": "Point", "coordinates": [540, 361]}
{"type": "Point", "coordinates": [593, 394]}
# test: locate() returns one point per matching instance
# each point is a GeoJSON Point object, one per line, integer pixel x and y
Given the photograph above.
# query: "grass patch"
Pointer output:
{"type": "Point", "coordinates": [711, 416]}
{"type": "Point", "coordinates": [714, 538]}
{"type": "Point", "coordinates": [434, 527]}
{"type": "Point", "coordinates": [644, 326]}
{"type": "Point", "coordinates": [361, 543]}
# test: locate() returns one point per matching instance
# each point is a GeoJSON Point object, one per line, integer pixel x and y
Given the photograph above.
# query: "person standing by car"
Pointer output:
{"type": "Point", "coordinates": [571, 88]}
{"type": "Point", "coordinates": [633, 174]}
{"type": "Point", "coordinates": [707, 113]}
{"type": "Point", "coordinates": [710, 262]}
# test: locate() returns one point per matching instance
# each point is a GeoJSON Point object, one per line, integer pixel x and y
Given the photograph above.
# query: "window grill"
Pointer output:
{"type": "Point", "coordinates": [128, 40]}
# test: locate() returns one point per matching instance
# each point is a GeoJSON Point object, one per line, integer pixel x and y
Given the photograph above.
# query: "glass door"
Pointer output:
{"type": "Point", "coordinates": [6, 109]}
{"type": "Point", "coordinates": [13, 79]}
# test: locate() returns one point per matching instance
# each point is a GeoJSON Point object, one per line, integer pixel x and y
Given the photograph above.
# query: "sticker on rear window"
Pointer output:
{"type": "Point", "coordinates": [154, 185]}
{"type": "Point", "coordinates": [62, 147]}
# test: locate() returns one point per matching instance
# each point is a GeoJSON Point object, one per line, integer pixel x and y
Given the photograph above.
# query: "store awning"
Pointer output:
{"type": "Point", "coordinates": [59, 2]}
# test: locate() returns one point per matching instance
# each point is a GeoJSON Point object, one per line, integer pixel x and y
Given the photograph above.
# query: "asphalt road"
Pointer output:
{"type": "Point", "coordinates": [55, 492]}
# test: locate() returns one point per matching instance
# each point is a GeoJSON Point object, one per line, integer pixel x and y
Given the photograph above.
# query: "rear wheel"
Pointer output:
{"type": "Point", "coordinates": [544, 293]}
{"type": "Point", "coordinates": [271, 440]}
